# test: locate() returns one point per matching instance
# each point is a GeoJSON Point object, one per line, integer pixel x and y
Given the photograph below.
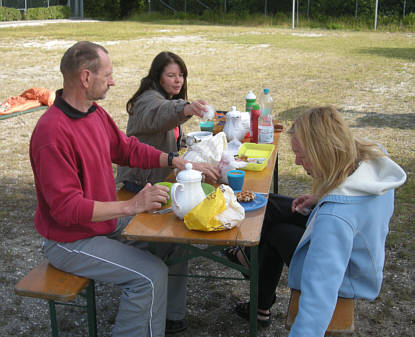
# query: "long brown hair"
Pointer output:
{"type": "Point", "coordinates": [152, 80]}
{"type": "Point", "coordinates": [333, 151]}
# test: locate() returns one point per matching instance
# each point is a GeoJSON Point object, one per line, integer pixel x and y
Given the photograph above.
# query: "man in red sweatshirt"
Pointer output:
{"type": "Point", "coordinates": [72, 150]}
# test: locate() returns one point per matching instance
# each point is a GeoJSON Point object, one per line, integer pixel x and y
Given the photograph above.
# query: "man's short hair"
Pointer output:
{"type": "Point", "coordinates": [82, 55]}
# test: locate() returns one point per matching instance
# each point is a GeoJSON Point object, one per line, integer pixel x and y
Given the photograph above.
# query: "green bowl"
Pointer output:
{"type": "Point", "coordinates": [207, 188]}
{"type": "Point", "coordinates": [169, 185]}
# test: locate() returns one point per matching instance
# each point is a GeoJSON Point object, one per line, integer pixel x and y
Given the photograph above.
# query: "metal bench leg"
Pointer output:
{"type": "Point", "coordinates": [52, 314]}
{"type": "Point", "coordinates": [253, 284]}
{"type": "Point", "coordinates": [91, 308]}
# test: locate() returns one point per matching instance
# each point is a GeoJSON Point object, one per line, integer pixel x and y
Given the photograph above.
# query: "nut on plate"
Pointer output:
{"type": "Point", "coordinates": [245, 196]}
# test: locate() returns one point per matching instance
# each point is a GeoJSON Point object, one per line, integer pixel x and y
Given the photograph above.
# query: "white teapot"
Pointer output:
{"type": "Point", "coordinates": [187, 192]}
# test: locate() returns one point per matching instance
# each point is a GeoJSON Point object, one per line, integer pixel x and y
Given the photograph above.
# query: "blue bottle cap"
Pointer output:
{"type": "Point", "coordinates": [266, 91]}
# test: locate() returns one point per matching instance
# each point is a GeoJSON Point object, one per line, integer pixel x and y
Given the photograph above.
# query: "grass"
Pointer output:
{"type": "Point", "coordinates": [369, 76]}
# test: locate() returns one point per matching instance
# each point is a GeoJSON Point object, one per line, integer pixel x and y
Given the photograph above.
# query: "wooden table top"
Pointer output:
{"type": "Point", "coordinates": [169, 228]}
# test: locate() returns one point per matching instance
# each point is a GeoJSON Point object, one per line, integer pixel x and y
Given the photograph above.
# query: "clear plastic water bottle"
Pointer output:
{"type": "Point", "coordinates": [265, 124]}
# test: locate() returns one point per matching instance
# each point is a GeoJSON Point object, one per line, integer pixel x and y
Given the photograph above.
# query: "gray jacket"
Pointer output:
{"type": "Point", "coordinates": [153, 121]}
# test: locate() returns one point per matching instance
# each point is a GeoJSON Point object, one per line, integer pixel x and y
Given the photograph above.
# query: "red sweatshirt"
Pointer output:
{"type": "Point", "coordinates": [71, 155]}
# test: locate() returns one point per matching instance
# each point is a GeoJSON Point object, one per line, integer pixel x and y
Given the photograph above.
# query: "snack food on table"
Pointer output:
{"type": "Point", "coordinates": [245, 196]}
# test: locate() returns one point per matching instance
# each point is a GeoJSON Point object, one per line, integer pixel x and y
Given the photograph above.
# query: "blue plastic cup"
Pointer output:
{"type": "Point", "coordinates": [236, 179]}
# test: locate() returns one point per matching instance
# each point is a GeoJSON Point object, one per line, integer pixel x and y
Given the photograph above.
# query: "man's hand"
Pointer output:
{"type": "Point", "coordinates": [150, 198]}
{"type": "Point", "coordinates": [211, 171]}
{"type": "Point", "coordinates": [304, 203]}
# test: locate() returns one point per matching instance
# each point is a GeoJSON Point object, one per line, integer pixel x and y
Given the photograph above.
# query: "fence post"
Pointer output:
{"type": "Point", "coordinates": [293, 15]}
{"type": "Point", "coordinates": [376, 14]}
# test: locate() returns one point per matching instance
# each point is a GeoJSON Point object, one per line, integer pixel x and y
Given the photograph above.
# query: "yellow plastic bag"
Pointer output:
{"type": "Point", "coordinates": [219, 211]}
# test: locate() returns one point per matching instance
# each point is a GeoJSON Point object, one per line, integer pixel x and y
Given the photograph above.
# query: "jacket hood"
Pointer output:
{"type": "Point", "coordinates": [375, 176]}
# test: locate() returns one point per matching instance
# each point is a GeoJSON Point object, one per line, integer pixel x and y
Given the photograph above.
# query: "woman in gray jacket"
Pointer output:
{"type": "Point", "coordinates": [157, 110]}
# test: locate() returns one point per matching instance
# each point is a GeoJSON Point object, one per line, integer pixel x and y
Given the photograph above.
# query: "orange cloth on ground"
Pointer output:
{"type": "Point", "coordinates": [31, 98]}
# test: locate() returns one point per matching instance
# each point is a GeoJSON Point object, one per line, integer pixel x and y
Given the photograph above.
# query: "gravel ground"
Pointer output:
{"type": "Point", "coordinates": [376, 106]}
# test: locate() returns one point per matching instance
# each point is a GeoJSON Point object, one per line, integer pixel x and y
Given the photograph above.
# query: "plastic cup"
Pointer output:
{"type": "Point", "coordinates": [236, 179]}
{"type": "Point", "coordinates": [206, 126]}
{"type": "Point", "coordinates": [169, 185]}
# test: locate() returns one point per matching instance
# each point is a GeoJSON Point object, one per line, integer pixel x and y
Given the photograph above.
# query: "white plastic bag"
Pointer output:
{"type": "Point", "coordinates": [228, 163]}
{"type": "Point", "coordinates": [235, 127]}
{"type": "Point", "coordinates": [234, 212]}
{"type": "Point", "coordinates": [208, 150]}
{"type": "Point", "coordinates": [209, 114]}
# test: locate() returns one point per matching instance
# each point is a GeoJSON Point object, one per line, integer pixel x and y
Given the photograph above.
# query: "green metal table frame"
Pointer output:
{"type": "Point", "coordinates": [252, 271]}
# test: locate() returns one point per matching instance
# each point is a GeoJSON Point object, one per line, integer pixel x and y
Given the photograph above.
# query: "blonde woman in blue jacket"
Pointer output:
{"type": "Point", "coordinates": [341, 249]}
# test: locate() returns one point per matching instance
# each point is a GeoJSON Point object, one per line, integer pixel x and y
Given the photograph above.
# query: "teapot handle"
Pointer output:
{"type": "Point", "coordinates": [173, 193]}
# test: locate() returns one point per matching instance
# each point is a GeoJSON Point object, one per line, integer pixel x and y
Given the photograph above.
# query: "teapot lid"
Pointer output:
{"type": "Point", "coordinates": [188, 174]}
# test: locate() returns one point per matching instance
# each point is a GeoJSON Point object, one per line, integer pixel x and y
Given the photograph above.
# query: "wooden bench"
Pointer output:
{"type": "Point", "coordinates": [342, 321]}
{"type": "Point", "coordinates": [59, 287]}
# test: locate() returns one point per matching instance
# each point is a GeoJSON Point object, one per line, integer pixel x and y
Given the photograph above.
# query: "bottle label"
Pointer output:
{"type": "Point", "coordinates": [265, 135]}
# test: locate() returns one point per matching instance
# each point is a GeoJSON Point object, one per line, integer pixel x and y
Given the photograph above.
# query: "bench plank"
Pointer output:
{"type": "Point", "coordinates": [47, 282]}
{"type": "Point", "coordinates": [341, 322]}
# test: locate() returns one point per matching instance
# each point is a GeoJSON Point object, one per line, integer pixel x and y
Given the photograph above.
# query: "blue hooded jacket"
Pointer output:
{"type": "Point", "coordinates": [342, 251]}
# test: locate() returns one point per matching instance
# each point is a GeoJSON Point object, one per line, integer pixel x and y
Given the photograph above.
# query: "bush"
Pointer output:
{"type": "Point", "coordinates": [9, 14]}
{"type": "Point", "coordinates": [43, 13]}
{"type": "Point", "coordinates": [409, 20]}
{"type": "Point", "coordinates": [280, 18]}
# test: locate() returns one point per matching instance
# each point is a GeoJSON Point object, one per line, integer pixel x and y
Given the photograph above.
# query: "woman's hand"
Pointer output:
{"type": "Point", "coordinates": [196, 108]}
{"type": "Point", "coordinates": [150, 198]}
{"type": "Point", "coordinates": [304, 203]}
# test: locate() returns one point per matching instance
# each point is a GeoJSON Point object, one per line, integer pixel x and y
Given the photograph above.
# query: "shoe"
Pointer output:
{"type": "Point", "coordinates": [232, 255]}
{"type": "Point", "coordinates": [176, 326]}
{"type": "Point", "coordinates": [242, 310]}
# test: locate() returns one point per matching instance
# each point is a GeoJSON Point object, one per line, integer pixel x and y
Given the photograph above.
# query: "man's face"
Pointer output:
{"type": "Point", "coordinates": [171, 80]}
{"type": "Point", "coordinates": [102, 80]}
{"type": "Point", "coordinates": [300, 157]}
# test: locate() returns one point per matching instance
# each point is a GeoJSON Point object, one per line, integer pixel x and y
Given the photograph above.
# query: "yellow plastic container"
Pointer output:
{"type": "Point", "coordinates": [257, 155]}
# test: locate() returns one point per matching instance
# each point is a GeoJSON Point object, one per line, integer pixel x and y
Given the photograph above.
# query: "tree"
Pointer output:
{"type": "Point", "coordinates": [127, 7]}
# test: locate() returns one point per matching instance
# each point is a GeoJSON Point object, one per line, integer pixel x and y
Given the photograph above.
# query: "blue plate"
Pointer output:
{"type": "Point", "coordinates": [259, 202]}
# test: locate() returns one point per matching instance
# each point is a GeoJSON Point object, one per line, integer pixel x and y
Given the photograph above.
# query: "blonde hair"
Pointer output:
{"type": "Point", "coordinates": [333, 151]}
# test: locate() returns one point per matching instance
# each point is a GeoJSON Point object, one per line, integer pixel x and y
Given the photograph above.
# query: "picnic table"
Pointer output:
{"type": "Point", "coordinates": [169, 228]}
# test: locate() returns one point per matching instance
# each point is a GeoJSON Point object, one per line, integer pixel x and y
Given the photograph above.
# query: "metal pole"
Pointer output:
{"type": "Point", "coordinates": [25, 6]}
{"type": "Point", "coordinates": [404, 5]}
{"type": "Point", "coordinates": [293, 15]}
{"type": "Point", "coordinates": [149, 5]}
{"type": "Point", "coordinates": [82, 8]}
{"type": "Point", "coordinates": [308, 9]}
{"type": "Point", "coordinates": [376, 14]}
{"type": "Point", "coordinates": [266, 8]}
{"type": "Point", "coordinates": [224, 6]}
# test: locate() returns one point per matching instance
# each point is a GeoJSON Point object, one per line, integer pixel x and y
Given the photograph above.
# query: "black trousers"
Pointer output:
{"type": "Point", "coordinates": [281, 233]}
